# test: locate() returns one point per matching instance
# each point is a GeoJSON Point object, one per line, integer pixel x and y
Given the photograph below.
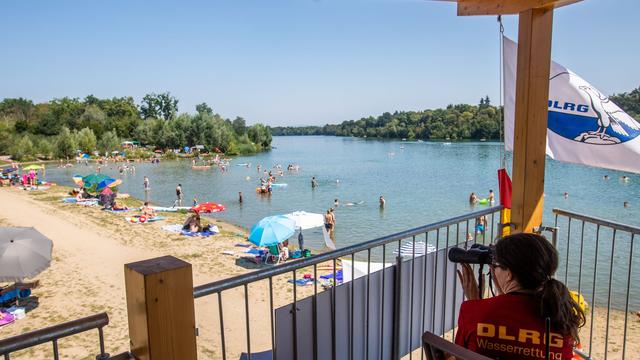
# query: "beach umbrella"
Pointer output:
{"type": "Point", "coordinates": [305, 220]}
{"type": "Point", "coordinates": [32, 167]}
{"type": "Point", "coordinates": [77, 179]}
{"type": "Point", "coordinates": [94, 179]}
{"type": "Point", "coordinates": [108, 183]}
{"type": "Point", "coordinates": [24, 253]}
{"type": "Point", "coordinates": [208, 207]}
{"type": "Point", "coordinates": [106, 191]}
{"type": "Point", "coordinates": [272, 230]}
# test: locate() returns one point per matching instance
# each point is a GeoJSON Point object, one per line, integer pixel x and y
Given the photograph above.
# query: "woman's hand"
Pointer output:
{"type": "Point", "coordinates": [469, 283]}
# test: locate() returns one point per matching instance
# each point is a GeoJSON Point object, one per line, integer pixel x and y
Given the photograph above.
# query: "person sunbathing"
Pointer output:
{"type": "Point", "coordinates": [147, 211]}
{"type": "Point", "coordinates": [116, 206]}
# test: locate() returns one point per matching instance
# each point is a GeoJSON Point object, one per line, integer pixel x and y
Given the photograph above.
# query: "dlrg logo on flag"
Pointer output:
{"type": "Point", "coordinates": [584, 126]}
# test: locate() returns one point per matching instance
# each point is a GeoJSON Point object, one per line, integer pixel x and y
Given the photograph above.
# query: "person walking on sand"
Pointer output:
{"type": "Point", "coordinates": [301, 240]}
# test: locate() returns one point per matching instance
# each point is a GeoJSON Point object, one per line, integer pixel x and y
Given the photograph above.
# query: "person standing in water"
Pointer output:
{"type": "Point", "coordinates": [146, 188]}
{"type": "Point", "coordinates": [179, 195]}
{"type": "Point", "coordinates": [382, 202]}
{"type": "Point", "coordinates": [336, 203]}
{"type": "Point", "coordinates": [314, 182]}
{"type": "Point", "coordinates": [240, 197]}
{"type": "Point", "coordinates": [473, 198]}
{"type": "Point", "coordinates": [328, 221]}
{"type": "Point", "coordinates": [492, 197]}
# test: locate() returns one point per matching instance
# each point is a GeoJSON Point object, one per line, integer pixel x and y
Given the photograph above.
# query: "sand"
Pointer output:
{"type": "Point", "coordinates": [86, 277]}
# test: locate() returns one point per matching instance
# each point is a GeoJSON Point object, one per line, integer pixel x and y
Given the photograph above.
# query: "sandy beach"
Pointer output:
{"type": "Point", "coordinates": [86, 277]}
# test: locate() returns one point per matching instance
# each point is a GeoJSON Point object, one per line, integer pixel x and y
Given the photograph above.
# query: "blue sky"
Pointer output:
{"type": "Point", "coordinates": [293, 62]}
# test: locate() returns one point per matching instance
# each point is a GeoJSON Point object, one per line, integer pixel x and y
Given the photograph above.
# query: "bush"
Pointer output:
{"type": "Point", "coordinates": [138, 153]}
{"type": "Point", "coordinates": [169, 155]}
{"type": "Point", "coordinates": [23, 149]}
{"type": "Point", "coordinates": [247, 148]}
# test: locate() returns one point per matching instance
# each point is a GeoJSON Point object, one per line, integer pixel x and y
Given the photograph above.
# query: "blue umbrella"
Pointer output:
{"type": "Point", "coordinates": [272, 230]}
{"type": "Point", "coordinates": [108, 183]}
{"type": "Point", "coordinates": [8, 170]}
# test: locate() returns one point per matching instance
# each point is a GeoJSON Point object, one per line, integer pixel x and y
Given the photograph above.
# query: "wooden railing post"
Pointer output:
{"type": "Point", "coordinates": [161, 309]}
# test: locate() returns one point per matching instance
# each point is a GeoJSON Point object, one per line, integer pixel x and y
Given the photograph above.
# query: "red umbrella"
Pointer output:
{"type": "Point", "coordinates": [208, 207]}
{"type": "Point", "coordinates": [107, 191]}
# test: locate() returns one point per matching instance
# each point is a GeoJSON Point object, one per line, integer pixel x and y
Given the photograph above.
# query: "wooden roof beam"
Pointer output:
{"type": "Point", "coordinates": [506, 7]}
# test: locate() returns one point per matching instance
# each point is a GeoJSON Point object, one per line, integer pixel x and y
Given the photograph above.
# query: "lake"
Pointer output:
{"type": "Point", "coordinates": [422, 182]}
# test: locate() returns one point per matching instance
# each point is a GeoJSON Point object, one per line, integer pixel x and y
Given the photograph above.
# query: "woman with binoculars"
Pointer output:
{"type": "Point", "coordinates": [512, 324]}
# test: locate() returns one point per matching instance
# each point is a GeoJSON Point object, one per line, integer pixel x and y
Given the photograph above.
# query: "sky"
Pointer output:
{"type": "Point", "coordinates": [293, 62]}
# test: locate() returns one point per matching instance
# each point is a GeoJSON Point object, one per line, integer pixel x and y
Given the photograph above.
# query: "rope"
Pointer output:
{"type": "Point", "coordinates": [503, 152]}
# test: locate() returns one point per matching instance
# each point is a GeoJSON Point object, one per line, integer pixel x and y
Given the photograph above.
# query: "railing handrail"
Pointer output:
{"type": "Point", "coordinates": [52, 333]}
{"type": "Point", "coordinates": [229, 283]}
{"type": "Point", "coordinates": [598, 221]}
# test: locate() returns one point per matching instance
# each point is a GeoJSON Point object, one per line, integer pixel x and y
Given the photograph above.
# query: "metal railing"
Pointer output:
{"type": "Point", "coordinates": [54, 333]}
{"type": "Point", "coordinates": [598, 258]}
{"type": "Point", "coordinates": [404, 310]}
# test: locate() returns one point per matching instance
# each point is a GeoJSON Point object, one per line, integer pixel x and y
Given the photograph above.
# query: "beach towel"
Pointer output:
{"type": "Point", "coordinates": [136, 219]}
{"type": "Point", "coordinates": [177, 229]}
{"type": "Point", "coordinates": [116, 211]}
{"type": "Point", "coordinates": [302, 282]}
{"type": "Point", "coordinates": [255, 251]}
{"type": "Point", "coordinates": [7, 318]}
{"type": "Point", "coordinates": [173, 228]}
{"type": "Point", "coordinates": [330, 276]}
{"type": "Point", "coordinates": [200, 234]}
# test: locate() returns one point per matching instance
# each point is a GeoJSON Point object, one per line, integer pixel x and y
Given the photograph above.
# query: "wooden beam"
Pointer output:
{"type": "Point", "coordinates": [160, 309]}
{"type": "Point", "coordinates": [530, 134]}
{"type": "Point", "coordinates": [506, 7]}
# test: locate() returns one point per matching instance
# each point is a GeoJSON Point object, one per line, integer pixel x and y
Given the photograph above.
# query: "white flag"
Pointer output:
{"type": "Point", "coordinates": [584, 126]}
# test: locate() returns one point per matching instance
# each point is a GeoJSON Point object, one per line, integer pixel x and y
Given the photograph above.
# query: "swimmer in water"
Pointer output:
{"type": "Point", "coordinates": [626, 204]}
{"type": "Point", "coordinates": [354, 204]}
{"type": "Point", "coordinates": [625, 178]}
{"type": "Point", "coordinates": [336, 203]}
{"type": "Point", "coordinates": [606, 177]}
{"type": "Point", "coordinates": [566, 195]}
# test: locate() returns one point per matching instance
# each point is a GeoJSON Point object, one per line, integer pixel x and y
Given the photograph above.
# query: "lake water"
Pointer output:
{"type": "Point", "coordinates": [422, 182]}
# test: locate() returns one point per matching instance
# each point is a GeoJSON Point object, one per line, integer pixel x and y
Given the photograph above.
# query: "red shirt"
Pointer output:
{"type": "Point", "coordinates": [507, 327]}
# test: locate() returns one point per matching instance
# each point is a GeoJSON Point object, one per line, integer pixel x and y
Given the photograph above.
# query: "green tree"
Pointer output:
{"type": "Point", "coordinates": [86, 140]}
{"type": "Point", "coordinates": [239, 126]}
{"type": "Point", "coordinates": [23, 149]}
{"type": "Point", "coordinates": [65, 144]}
{"type": "Point", "coordinates": [204, 109]}
{"type": "Point", "coordinates": [45, 148]}
{"type": "Point", "coordinates": [159, 106]}
{"type": "Point", "coordinates": [108, 142]}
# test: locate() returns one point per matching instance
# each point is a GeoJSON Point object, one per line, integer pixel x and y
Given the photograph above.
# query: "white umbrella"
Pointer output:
{"type": "Point", "coordinates": [305, 220]}
{"type": "Point", "coordinates": [24, 253]}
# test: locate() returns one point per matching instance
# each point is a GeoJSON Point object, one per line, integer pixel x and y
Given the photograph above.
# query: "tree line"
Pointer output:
{"type": "Point", "coordinates": [455, 122]}
{"type": "Point", "coordinates": [61, 127]}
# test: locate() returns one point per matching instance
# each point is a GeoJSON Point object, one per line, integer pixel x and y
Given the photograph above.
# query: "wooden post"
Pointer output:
{"type": "Point", "coordinates": [161, 309]}
{"type": "Point", "coordinates": [530, 135]}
